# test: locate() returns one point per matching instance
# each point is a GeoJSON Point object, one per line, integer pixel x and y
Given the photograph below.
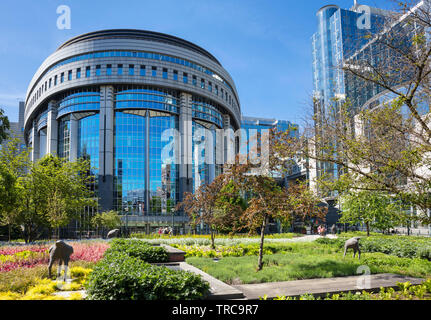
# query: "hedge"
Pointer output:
{"type": "Point", "coordinates": [139, 249]}
{"type": "Point", "coordinates": [119, 276]}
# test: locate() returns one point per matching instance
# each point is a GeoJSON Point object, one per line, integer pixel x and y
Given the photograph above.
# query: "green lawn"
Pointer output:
{"type": "Point", "coordinates": [307, 261]}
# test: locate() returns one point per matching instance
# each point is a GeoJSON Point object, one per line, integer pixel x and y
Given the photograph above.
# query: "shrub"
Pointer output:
{"type": "Point", "coordinates": [139, 249]}
{"type": "Point", "coordinates": [119, 276]}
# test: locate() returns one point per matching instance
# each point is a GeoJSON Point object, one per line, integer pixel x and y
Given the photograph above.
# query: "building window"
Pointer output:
{"type": "Point", "coordinates": [185, 78]}
{"type": "Point", "coordinates": [69, 75]}
{"type": "Point", "coordinates": [49, 82]}
{"type": "Point", "coordinates": [216, 90]}
{"type": "Point", "coordinates": [165, 73]}
{"type": "Point", "coordinates": [120, 69]}
{"type": "Point", "coordinates": [203, 83]}
{"type": "Point", "coordinates": [78, 73]}
{"type": "Point", "coordinates": [154, 71]}
{"type": "Point", "coordinates": [62, 77]}
{"type": "Point", "coordinates": [108, 69]}
{"type": "Point", "coordinates": [210, 87]}
{"type": "Point", "coordinates": [98, 70]}
{"type": "Point", "coordinates": [142, 72]}
{"type": "Point", "coordinates": [87, 72]}
{"type": "Point", "coordinates": [194, 81]}
{"type": "Point", "coordinates": [131, 69]}
{"type": "Point", "coordinates": [175, 75]}
{"type": "Point", "coordinates": [46, 85]}
{"type": "Point", "coordinates": [55, 80]}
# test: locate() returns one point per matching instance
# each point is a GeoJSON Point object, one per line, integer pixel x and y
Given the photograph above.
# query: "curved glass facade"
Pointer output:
{"type": "Point", "coordinates": [137, 97]}
{"type": "Point", "coordinates": [82, 100]}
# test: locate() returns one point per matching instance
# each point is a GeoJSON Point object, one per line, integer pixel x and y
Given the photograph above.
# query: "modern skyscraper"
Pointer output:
{"type": "Point", "coordinates": [120, 98]}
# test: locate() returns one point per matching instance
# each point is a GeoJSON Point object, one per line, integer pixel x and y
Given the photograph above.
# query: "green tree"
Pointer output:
{"type": "Point", "coordinates": [373, 209]}
{"type": "Point", "coordinates": [52, 193]}
{"type": "Point", "coordinates": [4, 126]}
{"type": "Point", "coordinates": [108, 219]}
{"type": "Point", "coordinates": [14, 164]}
{"type": "Point", "coordinates": [207, 205]}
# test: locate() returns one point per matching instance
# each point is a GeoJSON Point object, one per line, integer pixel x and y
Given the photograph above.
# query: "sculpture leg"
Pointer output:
{"type": "Point", "coordinates": [359, 254]}
{"type": "Point", "coordinates": [66, 267]}
{"type": "Point", "coordinates": [49, 268]}
{"type": "Point", "coordinates": [345, 251]}
{"type": "Point", "coordinates": [59, 269]}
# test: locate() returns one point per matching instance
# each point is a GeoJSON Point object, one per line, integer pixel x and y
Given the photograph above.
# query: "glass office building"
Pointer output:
{"type": "Point", "coordinates": [340, 34]}
{"type": "Point", "coordinates": [122, 99]}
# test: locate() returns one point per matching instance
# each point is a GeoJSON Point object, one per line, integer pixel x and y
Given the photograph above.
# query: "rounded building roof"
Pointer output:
{"type": "Point", "coordinates": [140, 35]}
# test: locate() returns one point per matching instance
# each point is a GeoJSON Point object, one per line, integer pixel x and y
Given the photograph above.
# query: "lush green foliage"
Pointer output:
{"type": "Point", "coordinates": [374, 209]}
{"type": "Point", "coordinates": [108, 219]}
{"type": "Point", "coordinates": [4, 126]}
{"type": "Point", "coordinates": [139, 249]}
{"type": "Point", "coordinates": [119, 276]}
{"type": "Point", "coordinates": [400, 246]}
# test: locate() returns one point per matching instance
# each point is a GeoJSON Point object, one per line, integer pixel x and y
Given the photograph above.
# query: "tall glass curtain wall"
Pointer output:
{"type": "Point", "coordinates": [141, 114]}
{"type": "Point", "coordinates": [88, 143]}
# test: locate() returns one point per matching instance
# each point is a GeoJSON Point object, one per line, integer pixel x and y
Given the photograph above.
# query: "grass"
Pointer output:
{"type": "Point", "coordinates": [306, 261]}
{"type": "Point", "coordinates": [20, 280]}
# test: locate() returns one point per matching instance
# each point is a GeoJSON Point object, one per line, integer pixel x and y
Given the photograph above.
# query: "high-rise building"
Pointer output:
{"type": "Point", "coordinates": [121, 98]}
{"type": "Point", "coordinates": [16, 129]}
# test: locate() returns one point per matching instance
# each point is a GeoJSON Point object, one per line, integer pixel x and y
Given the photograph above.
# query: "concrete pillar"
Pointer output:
{"type": "Point", "coordinates": [73, 147]}
{"type": "Point", "coordinates": [106, 147]}
{"type": "Point", "coordinates": [186, 137]}
{"type": "Point", "coordinates": [52, 129]}
{"type": "Point", "coordinates": [35, 143]}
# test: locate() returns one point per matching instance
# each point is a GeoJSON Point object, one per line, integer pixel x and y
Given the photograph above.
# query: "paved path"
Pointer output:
{"type": "Point", "coordinates": [320, 287]}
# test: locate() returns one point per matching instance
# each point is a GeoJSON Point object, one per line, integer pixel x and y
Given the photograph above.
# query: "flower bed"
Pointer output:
{"type": "Point", "coordinates": [28, 256]}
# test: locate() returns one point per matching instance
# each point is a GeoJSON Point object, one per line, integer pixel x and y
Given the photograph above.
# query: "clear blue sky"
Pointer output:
{"type": "Point", "coordinates": [265, 45]}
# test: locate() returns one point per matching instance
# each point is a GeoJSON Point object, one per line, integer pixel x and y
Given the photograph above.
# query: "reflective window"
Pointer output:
{"type": "Point", "coordinates": [62, 77]}
{"type": "Point", "coordinates": [129, 163]}
{"type": "Point", "coordinates": [185, 77]}
{"type": "Point", "coordinates": [88, 144]}
{"type": "Point", "coordinates": [131, 69]}
{"type": "Point", "coordinates": [63, 138]}
{"type": "Point", "coordinates": [142, 71]}
{"type": "Point", "coordinates": [146, 97]}
{"type": "Point", "coordinates": [203, 165]}
{"type": "Point", "coordinates": [163, 176]}
{"type": "Point", "coordinates": [87, 71]}
{"type": "Point", "coordinates": [154, 71]}
{"type": "Point", "coordinates": [206, 110]}
{"type": "Point", "coordinates": [210, 87]}
{"type": "Point", "coordinates": [98, 70]}
{"type": "Point", "coordinates": [120, 69]}
{"type": "Point", "coordinates": [203, 83]}
{"type": "Point", "coordinates": [165, 73]}
{"type": "Point", "coordinates": [79, 100]}
{"type": "Point", "coordinates": [108, 69]}
{"type": "Point", "coordinates": [78, 73]}
{"type": "Point", "coordinates": [69, 75]}
{"type": "Point", "coordinates": [194, 81]}
{"type": "Point", "coordinates": [175, 76]}
{"type": "Point", "coordinates": [55, 80]}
